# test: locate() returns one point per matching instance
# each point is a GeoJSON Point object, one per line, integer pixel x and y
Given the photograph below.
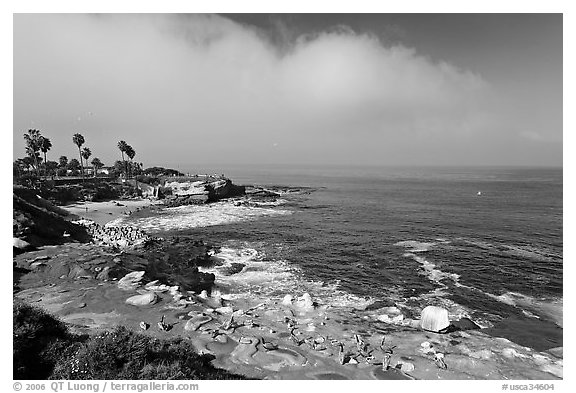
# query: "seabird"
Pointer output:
{"type": "Point", "coordinates": [294, 338]}
{"type": "Point", "coordinates": [439, 360]}
{"type": "Point", "coordinates": [164, 326]}
{"type": "Point", "coordinates": [361, 345]}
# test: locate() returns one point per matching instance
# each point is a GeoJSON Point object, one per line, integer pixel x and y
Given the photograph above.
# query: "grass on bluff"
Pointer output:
{"type": "Point", "coordinates": [45, 349]}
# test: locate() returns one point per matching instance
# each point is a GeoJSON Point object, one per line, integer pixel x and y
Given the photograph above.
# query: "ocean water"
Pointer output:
{"type": "Point", "coordinates": [485, 243]}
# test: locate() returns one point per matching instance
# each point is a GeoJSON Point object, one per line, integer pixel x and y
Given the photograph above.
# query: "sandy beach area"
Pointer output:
{"type": "Point", "coordinates": [104, 212]}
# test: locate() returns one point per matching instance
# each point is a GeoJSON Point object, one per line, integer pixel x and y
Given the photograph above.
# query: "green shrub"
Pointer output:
{"type": "Point", "coordinates": [123, 354]}
{"type": "Point", "coordinates": [38, 339]}
{"type": "Point", "coordinates": [45, 349]}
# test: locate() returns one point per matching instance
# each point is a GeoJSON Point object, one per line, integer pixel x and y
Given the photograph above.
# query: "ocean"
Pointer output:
{"type": "Point", "coordinates": [485, 243]}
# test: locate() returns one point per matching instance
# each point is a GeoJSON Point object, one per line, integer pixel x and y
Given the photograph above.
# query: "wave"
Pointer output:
{"type": "Point", "coordinates": [415, 246]}
{"type": "Point", "coordinates": [546, 308]}
{"type": "Point", "coordinates": [274, 279]}
{"type": "Point", "coordinates": [438, 296]}
{"type": "Point", "coordinates": [429, 269]}
{"type": "Point", "coordinates": [550, 309]}
{"type": "Point", "coordinates": [196, 216]}
{"type": "Point", "coordinates": [514, 250]}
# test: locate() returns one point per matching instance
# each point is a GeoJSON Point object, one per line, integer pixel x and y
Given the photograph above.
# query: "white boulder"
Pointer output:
{"type": "Point", "coordinates": [434, 319]}
{"type": "Point", "coordinates": [406, 367]}
{"type": "Point", "coordinates": [142, 300]}
{"type": "Point", "coordinates": [225, 310]}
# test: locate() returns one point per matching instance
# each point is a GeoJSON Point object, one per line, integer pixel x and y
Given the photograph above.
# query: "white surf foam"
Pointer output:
{"type": "Point", "coordinates": [277, 202]}
{"type": "Point", "coordinates": [429, 269]}
{"type": "Point", "coordinates": [415, 246]}
{"type": "Point", "coordinates": [438, 296]}
{"type": "Point", "coordinates": [275, 279]}
{"type": "Point", "coordinates": [433, 274]}
{"type": "Point", "coordinates": [195, 216]}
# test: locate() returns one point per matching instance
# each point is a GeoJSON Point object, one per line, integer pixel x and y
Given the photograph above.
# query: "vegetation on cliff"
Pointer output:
{"type": "Point", "coordinates": [44, 348]}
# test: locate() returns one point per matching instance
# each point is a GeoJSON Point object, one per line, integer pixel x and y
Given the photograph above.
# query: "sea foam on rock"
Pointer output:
{"type": "Point", "coordinates": [305, 302]}
{"type": "Point", "coordinates": [287, 301]}
{"type": "Point", "coordinates": [434, 318]}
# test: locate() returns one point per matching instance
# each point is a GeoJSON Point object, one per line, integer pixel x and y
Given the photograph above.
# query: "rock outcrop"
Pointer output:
{"type": "Point", "coordinates": [224, 188]}
{"type": "Point", "coordinates": [131, 281]}
{"type": "Point", "coordinates": [192, 191]}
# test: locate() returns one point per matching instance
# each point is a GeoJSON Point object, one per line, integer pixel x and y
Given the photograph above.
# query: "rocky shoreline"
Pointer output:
{"type": "Point", "coordinates": [157, 286]}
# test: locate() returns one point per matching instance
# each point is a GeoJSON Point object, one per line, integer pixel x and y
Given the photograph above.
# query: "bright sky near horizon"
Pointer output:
{"type": "Point", "coordinates": [374, 89]}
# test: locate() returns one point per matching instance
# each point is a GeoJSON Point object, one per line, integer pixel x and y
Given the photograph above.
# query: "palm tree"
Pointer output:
{"type": "Point", "coordinates": [97, 165]}
{"type": "Point", "coordinates": [130, 152]}
{"type": "Point", "coordinates": [78, 140]}
{"type": "Point", "coordinates": [45, 145]}
{"type": "Point", "coordinates": [86, 153]}
{"type": "Point", "coordinates": [123, 146]}
{"type": "Point", "coordinates": [63, 161]}
{"type": "Point", "coordinates": [28, 162]}
{"type": "Point", "coordinates": [33, 139]}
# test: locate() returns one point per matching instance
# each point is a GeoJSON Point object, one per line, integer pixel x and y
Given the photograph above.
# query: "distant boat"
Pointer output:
{"type": "Point", "coordinates": [479, 193]}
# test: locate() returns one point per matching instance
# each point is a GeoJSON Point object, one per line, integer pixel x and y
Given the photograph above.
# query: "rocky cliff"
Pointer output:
{"type": "Point", "coordinates": [37, 222]}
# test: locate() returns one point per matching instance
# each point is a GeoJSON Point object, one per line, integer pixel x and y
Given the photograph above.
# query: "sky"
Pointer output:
{"type": "Point", "coordinates": [307, 89]}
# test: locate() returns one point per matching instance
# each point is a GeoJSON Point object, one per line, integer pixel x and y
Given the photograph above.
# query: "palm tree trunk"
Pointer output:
{"type": "Point", "coordinates": [45, 168]}
{"type": "Point", "coordinates": [81, 164]}
{"type": "Point", "coordinates": [125, 167]}
{"type": "Point", "coordinates": [36, 166]}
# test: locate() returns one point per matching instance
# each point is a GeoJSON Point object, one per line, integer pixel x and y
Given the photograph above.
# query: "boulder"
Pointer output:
{"type": "Point", "coordinates": [224, 188]}
{"type": "Point", "coordinates": [406, 367]}
{"type": "Point", "coordinates": [234, 268]}
{"type": "Point", "coordinates": [225, 310]}
{"type": "Point", "coordinates": [465, 324]}
{"type": "Point", "coordinates": [103, 275]}
{"type": "Point", "coordinates": [21, 245]}
{"type": "Point", "coordinates": [195, 322]}
{"type": "Point", "coordinates": [434, 319]}
{"type": "Point", "coordinates": [131, 280]}
{"type": "Point", "coordinates": [142, 300]}
{"type": "Point", "coordinates": [558, 352]}
{"type": "Point", "coordinates": [397, 320]}
{"type": "Point", "coordinates": [79, 272]}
